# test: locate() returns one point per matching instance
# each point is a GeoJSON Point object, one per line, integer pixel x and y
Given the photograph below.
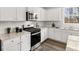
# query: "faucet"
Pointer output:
{"type": "Point", "coordinates": [37, 25]}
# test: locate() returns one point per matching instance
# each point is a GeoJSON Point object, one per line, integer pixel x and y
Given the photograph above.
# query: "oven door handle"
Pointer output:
{"type": "Point", "coordinates": [35, 33]}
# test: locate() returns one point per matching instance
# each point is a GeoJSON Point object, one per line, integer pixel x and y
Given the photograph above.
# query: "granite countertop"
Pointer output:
{"type": "Point", "coordinates": [12, 35]}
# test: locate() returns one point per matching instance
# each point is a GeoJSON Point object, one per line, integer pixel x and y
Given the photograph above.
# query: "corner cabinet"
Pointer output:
{"type": "Point", "coordinates": [12, 13]}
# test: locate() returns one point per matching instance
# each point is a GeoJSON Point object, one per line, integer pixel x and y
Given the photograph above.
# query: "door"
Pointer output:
{"type": "Point", "coordinates": [8, 14]}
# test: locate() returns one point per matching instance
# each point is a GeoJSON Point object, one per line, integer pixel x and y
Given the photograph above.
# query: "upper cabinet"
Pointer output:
{"type": "Point", "coordinates": [21, 14]}
{"type": "Point", "coordinates": [12, 13]}
{"type": "Point", "coordinates": [7, 14]}
{"type": "Point", "coordinates": [54, 14]}
{"type": "Point", "coordinates": [42, 15]}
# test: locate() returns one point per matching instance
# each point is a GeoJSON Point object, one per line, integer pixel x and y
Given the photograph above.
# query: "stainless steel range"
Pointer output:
{"type": "Point", "coordinates": [35, 36]}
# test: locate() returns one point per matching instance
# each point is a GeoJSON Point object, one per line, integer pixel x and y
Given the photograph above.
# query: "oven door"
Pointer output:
{"type": "Point", "coordinates": [35, 38]}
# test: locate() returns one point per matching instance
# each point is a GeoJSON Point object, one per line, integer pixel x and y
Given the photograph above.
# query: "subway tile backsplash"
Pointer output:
{"type": "Point", "coordinates": [12, 25]}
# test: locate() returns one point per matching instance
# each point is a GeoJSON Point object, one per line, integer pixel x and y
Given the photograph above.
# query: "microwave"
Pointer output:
{"type": "Point", "coordinates": [31, 16]}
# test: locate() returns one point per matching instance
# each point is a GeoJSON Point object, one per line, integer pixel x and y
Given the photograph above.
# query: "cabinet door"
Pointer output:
{"type": "Point", "coordinates": [25, 42]}
{"type": "Point", "coordinates": [11, 44]}
{"type": "Point", "coordinates": [54, 14]}
{"type": "Point", "coordinates": [58, 35]}
{"type": "Point", "coordinates": [44, 35]}
{"type": "Point", "coordinates": [8, 14]}
{"type": "Point", "coordinates": [12, 48]}
{"type": "Point", "coordinates": [64, 36]}
{"type": "Point", "coordinates": [42, 15]}
{"type": "Point", "coordinates": [51, 33]}
{"type": "Point", "coordinates": [21, 13]}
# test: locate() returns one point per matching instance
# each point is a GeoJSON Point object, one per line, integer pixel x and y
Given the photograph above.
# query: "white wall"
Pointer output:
{"type": "Point", "coordinates": [12, 25]}
{"type": "Point", "coordinates": [4, 25]}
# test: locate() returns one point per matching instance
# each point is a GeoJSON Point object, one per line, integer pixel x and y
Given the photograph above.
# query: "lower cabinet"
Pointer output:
{"type": "Point", "coordinates": [61, 34]}
{"type": "Point", "coordinates": [25, 43]}
{"type": "Point", "coordinates": [11, 44]}
{"type": "Point", "coordinates": [51, 33]}
{"type": "Point", "coordinates": [20, 43]}
{"type": "Point", "coordinates": [64, 36]}
{"type": "Point", "coordinates": [58, 34]}
{"type": "Point", "coordinates": [44, 34]}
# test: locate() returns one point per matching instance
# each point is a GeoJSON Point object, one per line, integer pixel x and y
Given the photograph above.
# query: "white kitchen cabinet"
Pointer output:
{"type": "Point", "coordinates": [54, 14]}
{"type": "Point", "coordinates": [20, 43]}
{"type": "Point", "coordinates": [25, 42]}
{"type": "Point", "coordinates": [66, 33]}
{"type": "Point", "coordinates": [44, 34]}
{"type": "Point", "coordinates": [21, 13]}
{"type": "Point", "coordinates": [11, 44]}
{"type": "Point", "coordinates": [51, 33]}
{"type": "Point", "coordinates": [57, 34]}
{"type": "Point", "coordinates": [13, 13]}
{"type": "Point", "coordinates": [64, 36]}
{"type": "Point", "coordinates": [42, 15]}
{"type": "Point", "coordinates": [7, 13]}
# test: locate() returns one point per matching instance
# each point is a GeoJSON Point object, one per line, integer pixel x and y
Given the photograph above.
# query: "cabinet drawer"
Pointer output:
{"type": "Point", "coordinates": [11, 42]}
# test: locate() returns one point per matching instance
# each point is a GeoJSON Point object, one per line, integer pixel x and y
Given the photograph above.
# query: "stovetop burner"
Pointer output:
{"type": "Point", "coordinates": [32, 30]}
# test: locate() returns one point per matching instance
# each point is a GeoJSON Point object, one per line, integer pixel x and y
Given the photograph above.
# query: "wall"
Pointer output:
{"type": "Point", "coordinates": [4, 25]}
{"type": "Point", "coordinates": [12, 25]}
